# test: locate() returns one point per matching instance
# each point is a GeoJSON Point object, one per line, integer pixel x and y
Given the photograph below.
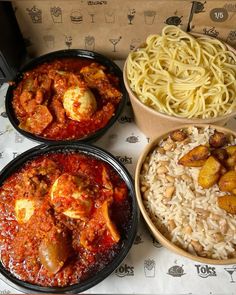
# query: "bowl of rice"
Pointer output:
{"type": "Point", "coordinates": [185, 183]}
{"type": "Point", "coordinates": [179, 78]}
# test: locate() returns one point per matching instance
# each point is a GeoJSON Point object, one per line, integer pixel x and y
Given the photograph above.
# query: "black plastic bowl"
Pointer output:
{"type": "Point", "coordinates": [75, 53]}
{"type": "Point", "coordinates": [127, 241]}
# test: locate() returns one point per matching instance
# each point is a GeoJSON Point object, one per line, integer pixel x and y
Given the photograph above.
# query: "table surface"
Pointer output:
{"type": "Point", "coordinates": [149, 268]}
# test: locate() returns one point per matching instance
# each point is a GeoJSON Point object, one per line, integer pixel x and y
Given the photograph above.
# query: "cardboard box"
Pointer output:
{"type": "Point", "coordinates": [215, 18]}
{"type": "Point", "coordinates": [111, 27]}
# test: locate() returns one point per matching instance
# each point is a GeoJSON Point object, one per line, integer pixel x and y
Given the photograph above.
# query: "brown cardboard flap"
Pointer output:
{"type": "Point", "coordinates": [215, 18]}
{"type": "Point", "coordinates": [111, 27]}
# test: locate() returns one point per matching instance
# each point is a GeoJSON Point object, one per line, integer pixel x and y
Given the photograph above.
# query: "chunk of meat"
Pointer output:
{"type": "Point", "coordinates": [38, 121]}
{"type": "Point", "coordinates": [98, 227]}
{"type": "Point", "coordinates": [218, 139]}
{"type": "Point", "coordinates": [28, 102]}
{"type": "Point", "coordinates": [178, 135]}
{"type": "Point", "coordinates": [58, 110]}
{"type": "Point", "coordinates": [64, 80]}
{"type": "Point", "coordinates": [39, 96]}
{"type": "Point", "coordinates": [34, 181]}
{"type": "Point", "coordinates": [28, 84]}
{"type": "Point", "coordinates": [220, 154]}
{"type": "Point", "coordinates": [95, 77]}
{"type": "Point", "coordinates": [106, 182]}
{"type": "Point", "coordinates": [46, 83]}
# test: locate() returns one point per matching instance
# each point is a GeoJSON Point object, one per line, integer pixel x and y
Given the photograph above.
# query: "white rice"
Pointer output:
{"type": "Point", "coordinates": [201, 227]}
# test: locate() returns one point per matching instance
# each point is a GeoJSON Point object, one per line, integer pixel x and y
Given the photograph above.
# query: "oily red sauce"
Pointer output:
{"type": "Point", "coordinates": [46, 86]}
{"type": "Point", "coordinates": [83, 245]}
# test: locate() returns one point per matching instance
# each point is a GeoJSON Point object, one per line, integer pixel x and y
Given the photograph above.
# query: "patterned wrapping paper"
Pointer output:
{"type": "Point", "coordinates": [111, 27]}
{"type": "Point", "coordinates": [215, 18]}
{"type": "Point", "coordinates": [149, 268]}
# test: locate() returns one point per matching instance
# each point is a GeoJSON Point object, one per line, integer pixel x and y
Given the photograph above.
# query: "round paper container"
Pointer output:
{"type": "Point", "coordinates": [153, 229]}
{"type": "Point", "coordinates": [153, 123]}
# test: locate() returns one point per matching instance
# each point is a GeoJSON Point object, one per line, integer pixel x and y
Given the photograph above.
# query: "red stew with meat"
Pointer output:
{"type": "Point", "coordinates": [68, 98]}
{"type": "Point", "coordinates": [63, 217]}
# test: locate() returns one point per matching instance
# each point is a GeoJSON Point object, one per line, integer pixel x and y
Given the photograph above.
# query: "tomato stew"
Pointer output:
{"type": "Point", "coordinates": [67, 98]}
{"type": "Point", "coordinates": [64, 216]}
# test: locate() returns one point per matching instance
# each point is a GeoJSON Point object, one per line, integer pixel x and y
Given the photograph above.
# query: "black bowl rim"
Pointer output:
{"type": "Point", "coordinates": [66, 53]}
{"type": "Point", "coordinates": [98, 153]}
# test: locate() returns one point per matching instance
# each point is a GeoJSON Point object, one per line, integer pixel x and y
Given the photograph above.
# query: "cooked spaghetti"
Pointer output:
{"type": "Point", "coordinates": [184, 76]}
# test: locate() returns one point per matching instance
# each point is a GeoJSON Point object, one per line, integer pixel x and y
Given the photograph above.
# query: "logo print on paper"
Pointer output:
{"type": "Point", "coordinates": [138, 239]}
{"type": "Point", "coordinates": [35, 14]}
{"type": "Point", "coordinates": [56, 14]}
{"type": "Point", "coordinates": [125, 159]}
{"type": "Point", "coordinates": [97, 2]}
{"type": "Point", "coordinates": [132, 139]}
{"type": "Point", "coordinates": [156, 243]}
{"type": "Point", "coordinates": [4, 114]}
{"type": "Point", "coordinates": [174, 20]}
{"type": "Point", "coordinates": [231, 7]}
{"type": "Point", "coordinates": [231, 37]}
{"type": "Point", "coordinates": [176, 271]}
{"type": "Point", "coordinates": [5, 291]}
{"type": "Point", "coordinates": [130, 15]}
{"type": "Point", "coordinates": [89, 42]}
{"type": "Point", "coordinates": [76, 16]}
{"type": "Point", "coordinates": [134, 43]}
{"type": "Point", "coordinates": [114, 42]}
{"type": "Point", "coordinates": [230, 271]}
{"type": "Point", "coordinates": [198, 7]}
{"type": "Point", "coordinates": [14, 155]}
{"type": "Point", "coordinates": [219, 15]}
{"type": "Point", "coordinates": [125, 119]}
{"type": "Point", "coordinates": [110, 16]}
{"type": "Point", "coordinates": [149, 16]}
{"type": "Point", "coordinates": [124, 270]}
{"type": "Point", "coordinates": [149, 268]}
{"type": "Point", "coordinates": [205, 271]}
{"type": "Point", "coordinates": [211, 32]}
{"type": "Point", "coordinates": [18, 138]}
{"type": "Point", "coordinates": [49, 41]}
{"type": "Point", "coordinates": [68, 41]}
{"type": "Point", "coordinates": [3, 131]}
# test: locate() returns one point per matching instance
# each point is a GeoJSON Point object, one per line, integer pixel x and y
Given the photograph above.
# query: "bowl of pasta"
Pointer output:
{"type": "Point", "coordinates": [179, 78]}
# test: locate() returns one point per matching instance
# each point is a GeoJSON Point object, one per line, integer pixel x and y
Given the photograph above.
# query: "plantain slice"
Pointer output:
{"type": "Point", "coordinates": [209, 173]}
{"type": "Point", "coordinates": [196, 157]}
{"type": "Point", "coordinates": [228, 203]}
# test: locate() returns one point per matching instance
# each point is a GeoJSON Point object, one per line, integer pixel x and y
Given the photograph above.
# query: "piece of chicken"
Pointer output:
{"type": "Point", "coordinates": [95, 76]}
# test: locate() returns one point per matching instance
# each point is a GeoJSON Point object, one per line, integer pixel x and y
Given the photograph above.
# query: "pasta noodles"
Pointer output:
{"type": "Point", "coordinates": [184, 76]}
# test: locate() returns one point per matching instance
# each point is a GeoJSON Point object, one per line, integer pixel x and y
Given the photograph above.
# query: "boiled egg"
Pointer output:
{"type": "Point", "coordinates": [73, 193]}
{"type": "Point", "coordinates": [79, 103]}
